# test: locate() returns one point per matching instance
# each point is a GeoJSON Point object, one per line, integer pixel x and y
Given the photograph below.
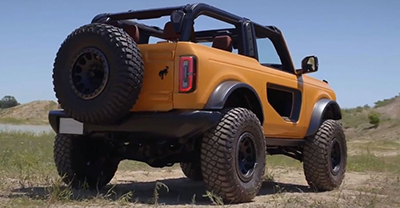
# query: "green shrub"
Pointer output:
{"type": "Point", "coordinates": [8, 101]}
{"type": "Point", "coordinates": [374, 118]}
{"type": "Point", "coordinates": [381, 103]}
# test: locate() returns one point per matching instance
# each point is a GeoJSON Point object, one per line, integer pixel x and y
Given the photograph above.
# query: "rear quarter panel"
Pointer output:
{"type": "Point", "coordinates": [213, 67]}
{"type": "Point", "coordinates": [216, 66]}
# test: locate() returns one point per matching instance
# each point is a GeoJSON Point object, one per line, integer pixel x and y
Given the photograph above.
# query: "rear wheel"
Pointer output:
{"type": "Point", "coordinates": [98, 74]}
{"type": "Point", "coordinates": [192, 170]}
{"type": "Point", "coordinates": [84, 161]}
{"type": "Point", "coordinates": [233, 156]}
{"type": "Point", "coordinates": [325, 157]}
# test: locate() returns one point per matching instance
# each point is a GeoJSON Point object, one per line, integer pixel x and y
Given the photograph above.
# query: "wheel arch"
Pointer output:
{"type": "Point", "coordinates": [224, 95]}
{"type": "Point", "coordinates": [323, 109]}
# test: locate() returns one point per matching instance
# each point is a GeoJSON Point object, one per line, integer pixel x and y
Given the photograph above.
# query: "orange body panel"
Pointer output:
{"type": "Point", "coordinates": [215, 66]}
{"type": "Point", "coordinates": [157, 93]}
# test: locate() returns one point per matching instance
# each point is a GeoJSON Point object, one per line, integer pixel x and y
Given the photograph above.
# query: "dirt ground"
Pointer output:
{"type": "Point", "coordinates": [287, 189]}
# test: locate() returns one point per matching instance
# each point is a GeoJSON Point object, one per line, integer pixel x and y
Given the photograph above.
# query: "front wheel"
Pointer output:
{"type": "Point", "coordinates": [233, 156]}
{"type": "Point", "coordinates": [325, 157]}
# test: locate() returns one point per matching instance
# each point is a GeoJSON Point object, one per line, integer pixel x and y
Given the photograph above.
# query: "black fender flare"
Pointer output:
{"type": "Point", "coordinates": [317, 117]}
{"type": "Point", "coordinates": [222, 92]}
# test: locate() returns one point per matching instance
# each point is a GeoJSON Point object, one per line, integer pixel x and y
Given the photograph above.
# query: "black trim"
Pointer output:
{"type": "Point", "coordinates": [284, 142]}
{"type": "Point", "coordinates": [221, 93]}
{"type": "Point", "coordinates": [293, 150]}
{"type": "Point", "coordinates": [246, 42]}
{"type": "Point", "coordinates": [252, 41]}
{"type": "Point", "coordinates": [297, 99]}
{"type": "Point", "coordinates": [277, 39]}
{"type": "Point", "coordinates": [196, 10]}
{"type": "Point", "coordinates": [318, 114]}
{"type": "Point", "coordinates": [145, 30]}
{"type": "Point", "coordinates": [173, 124]}
{"type": "Point", "coordinates": [54, 118]}
{"type": "Point", "coordinates": [183, 18]}
{"type": "Point", "coordinates": [140, 14]}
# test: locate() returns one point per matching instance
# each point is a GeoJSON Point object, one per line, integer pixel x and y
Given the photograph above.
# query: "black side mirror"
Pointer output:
{"type": "Point", "coordinates": [308, 65]}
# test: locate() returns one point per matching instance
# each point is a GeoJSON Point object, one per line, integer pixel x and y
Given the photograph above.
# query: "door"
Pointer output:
{"type": "Point", "coordinates": [284, 94]}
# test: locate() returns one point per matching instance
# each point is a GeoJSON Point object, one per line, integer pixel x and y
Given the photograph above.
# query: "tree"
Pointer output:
{"type": "Point", "coordinates": [8, 101]}
{"type": "Point", "coordinates": [374, 118]}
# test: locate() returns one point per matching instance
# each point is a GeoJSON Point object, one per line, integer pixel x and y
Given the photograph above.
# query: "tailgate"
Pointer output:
{"type": "Point", "coordinates": [158, 83]}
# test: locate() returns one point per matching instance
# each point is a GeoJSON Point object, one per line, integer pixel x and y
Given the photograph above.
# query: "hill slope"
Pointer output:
{"type": "Point", "coordinates": [35, 112]}
{"type": "Point", "coordinates": [390, 108]}
{"type": "Point", "coordinates": [354, 119]}
{"type": "Point", "coordinates": [379, 140]}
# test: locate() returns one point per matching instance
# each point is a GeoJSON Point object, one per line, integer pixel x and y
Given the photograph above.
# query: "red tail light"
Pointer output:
{"type": "Point", "coordinates": [187, 74]}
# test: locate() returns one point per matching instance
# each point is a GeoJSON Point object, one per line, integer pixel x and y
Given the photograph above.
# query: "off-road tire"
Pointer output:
{"type": "Point", "coordinates": [122, 83]}
{"type": "Point", "coordinates": [317, 161]}
{"type": "Point", "coordinates": [219, 156]}
{"type": "Point", "coordinates": [192, 170]}
{"type": "Point", "coordinates": [72, 155]}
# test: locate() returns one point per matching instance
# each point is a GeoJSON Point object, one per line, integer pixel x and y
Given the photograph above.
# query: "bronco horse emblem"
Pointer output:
{"type": "Point", "coordinates": [163, 72]}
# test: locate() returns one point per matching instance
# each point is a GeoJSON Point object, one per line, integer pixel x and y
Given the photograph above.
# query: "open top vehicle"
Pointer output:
{"type": "Point", "coordinates": [216, 101]}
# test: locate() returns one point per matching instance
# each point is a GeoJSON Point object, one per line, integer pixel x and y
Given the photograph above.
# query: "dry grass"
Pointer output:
{"type": "Point", "coordinates": [21, 121]}
{"type": "Point", "coordinates": [30, 180]}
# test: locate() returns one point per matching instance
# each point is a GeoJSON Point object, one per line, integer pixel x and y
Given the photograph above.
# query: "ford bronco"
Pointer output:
{"type": "Point", "coordinates": [214, 101]}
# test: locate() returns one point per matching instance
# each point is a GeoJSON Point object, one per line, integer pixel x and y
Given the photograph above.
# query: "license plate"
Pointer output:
{"type": "Point", "coordinates": [70, 126]}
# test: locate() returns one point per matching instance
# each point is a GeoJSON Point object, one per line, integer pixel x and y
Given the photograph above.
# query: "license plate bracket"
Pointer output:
{"type": "Point", "coordinates": [70, 126]}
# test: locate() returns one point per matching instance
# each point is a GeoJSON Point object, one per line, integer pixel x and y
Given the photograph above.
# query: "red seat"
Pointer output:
{"type": "Point", "coordinates": [133, 31]}
{"type": "Point", "coordinates": [223, 42]}
{"type": "Point", "coordinates": [169, 32]}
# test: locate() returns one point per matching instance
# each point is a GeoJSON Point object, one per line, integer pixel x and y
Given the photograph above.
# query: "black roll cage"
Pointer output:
{"type": "Point", "coordinates": [183, 18]}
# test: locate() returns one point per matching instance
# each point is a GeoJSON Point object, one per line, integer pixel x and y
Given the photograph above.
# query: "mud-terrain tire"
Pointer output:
{"type": "Point", "coordinates": [192, 170]}
{"type": "Point", "coordinates": [84, 162]}
{"type": "Point", "coordinates": [325, 157]}
{"type": "Point", "coordinates": [98, 74]}
{"type": "Point", "coordinates": [239, 134]}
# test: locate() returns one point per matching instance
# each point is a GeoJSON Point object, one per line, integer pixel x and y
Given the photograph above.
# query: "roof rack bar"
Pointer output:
{"type": "Point", "coordinates": [144, 14]}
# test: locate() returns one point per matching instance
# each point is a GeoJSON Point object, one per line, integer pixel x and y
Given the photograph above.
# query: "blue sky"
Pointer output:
{"type": "Point", "coordinates": [357, 41]}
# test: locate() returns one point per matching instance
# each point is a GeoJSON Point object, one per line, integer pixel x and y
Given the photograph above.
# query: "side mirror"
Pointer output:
{"type": "Point", "coordinates": [308, 65]}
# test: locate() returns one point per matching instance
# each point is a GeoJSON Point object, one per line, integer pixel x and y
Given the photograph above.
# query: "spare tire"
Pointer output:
{"type": "Point", "coordinates": [98, 74]}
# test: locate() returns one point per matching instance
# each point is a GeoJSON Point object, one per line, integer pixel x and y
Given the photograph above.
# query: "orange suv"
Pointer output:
{"type": "Point", "coordinates": [216, 101]}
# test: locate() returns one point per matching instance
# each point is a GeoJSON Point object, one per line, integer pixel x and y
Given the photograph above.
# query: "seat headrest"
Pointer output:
{"type": "Point", "coordinates": [169, 32]}
{"type": "Point", "coordinates": [133, 31]}
{"type": "Point", "coordinates": [223, 42]}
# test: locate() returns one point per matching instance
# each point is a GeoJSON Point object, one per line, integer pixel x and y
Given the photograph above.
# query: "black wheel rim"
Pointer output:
{"type": "Point", "coordinates": [336, 156]}
{"type": "Point", "coordinates": [246, 156]}
{"type": "Point", "coordinates": [89, 73]}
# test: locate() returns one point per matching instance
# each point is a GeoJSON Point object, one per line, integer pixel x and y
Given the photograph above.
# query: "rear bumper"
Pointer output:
{"type": "Point", "coordinates": [174, 124]}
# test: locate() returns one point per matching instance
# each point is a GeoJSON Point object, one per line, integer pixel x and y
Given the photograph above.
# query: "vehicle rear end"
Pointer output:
{"type": "Point", "coordinates": [108, 81]}
{"type": "Point", "coordinates": [117, 99]}
{"type": "Point", "coordinates": [124, 98]}
{"type": "Point", "coordinates": [170, 77]}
